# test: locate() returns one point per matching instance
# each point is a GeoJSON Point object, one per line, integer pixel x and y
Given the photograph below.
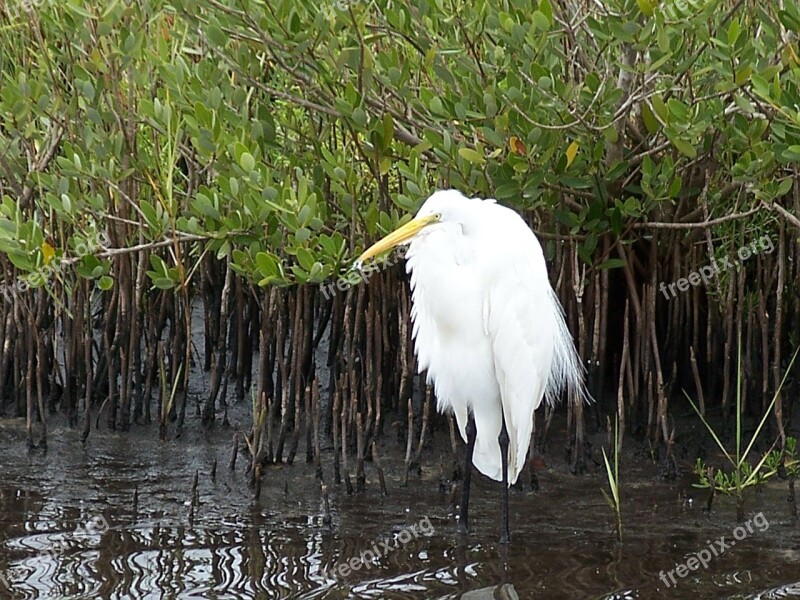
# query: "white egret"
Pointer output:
{"type": "Point", "coordinates": [487, 326]}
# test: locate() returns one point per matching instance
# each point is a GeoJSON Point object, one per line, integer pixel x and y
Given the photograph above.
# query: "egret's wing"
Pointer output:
{"type": "Point", "coordinates": [520, 322]}
{"type": "Point", "coordinates": [445, 333]}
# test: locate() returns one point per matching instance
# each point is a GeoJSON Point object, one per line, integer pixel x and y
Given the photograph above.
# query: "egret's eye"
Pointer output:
{"type": "Point", "coordinates": [437, 216]}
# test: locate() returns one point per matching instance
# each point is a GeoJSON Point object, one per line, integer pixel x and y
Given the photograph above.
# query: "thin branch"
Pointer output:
{"type": "Point", "coordinates": [182, 238]}
{"type": "Point", "coordinates": [700, 225]}
{"type": "Point", "coordinates": [784, 213]}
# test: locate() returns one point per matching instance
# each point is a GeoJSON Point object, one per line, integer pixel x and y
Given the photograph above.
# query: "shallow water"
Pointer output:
{"type": "Point", "coordinates": [70, 528]}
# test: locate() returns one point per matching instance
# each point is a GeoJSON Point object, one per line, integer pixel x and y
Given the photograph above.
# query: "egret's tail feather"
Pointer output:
{"type": "Point", "coordinates": [567, 371]}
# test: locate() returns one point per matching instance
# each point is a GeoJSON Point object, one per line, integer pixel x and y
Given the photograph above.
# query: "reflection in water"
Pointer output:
{"type": "Point", "coordinates": [163, 560]}
{"type": "Point", "coordinates": [495, 592]}
{"type": "Point", "coordinates": [279, 547]}
{"type": "Point", "coordinates": [791, 590]}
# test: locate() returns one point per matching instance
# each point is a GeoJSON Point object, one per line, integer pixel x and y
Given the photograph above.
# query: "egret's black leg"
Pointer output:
{"type": "Point", "coordinates": [472, 431]}
{"type": "Point", "coordinates": [502, 439]}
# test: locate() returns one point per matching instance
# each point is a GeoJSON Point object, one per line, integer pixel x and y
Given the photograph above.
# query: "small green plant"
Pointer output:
{"type": "Point", "coordinates": [743, 473]}
{"type": "Point", "coordinates": [612, 473]}
{"type": "Point", "coordinates": [774, 461]}
{"type": "Point", "coordinates": [786, 460]}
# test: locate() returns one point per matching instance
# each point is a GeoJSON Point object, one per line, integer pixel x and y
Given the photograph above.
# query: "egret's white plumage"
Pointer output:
{"type": "Point", "coordinates": [487, 325]}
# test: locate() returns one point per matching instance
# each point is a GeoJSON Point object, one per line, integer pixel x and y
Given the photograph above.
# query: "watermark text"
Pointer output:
{"type": "Point", "coordinates": [714, 549]}
{"type": "Point", "coordinates": [707, 273]}
{"type": "Point", "coordinates": [382, 548]}
{"type": "Point", "coordinates": [355, 276]}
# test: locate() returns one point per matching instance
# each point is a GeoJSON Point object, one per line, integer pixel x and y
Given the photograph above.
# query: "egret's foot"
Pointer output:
{"type": "Point", "coordinates": [505, 539]}
{"type": "Point", "coordinates": [462, 529]}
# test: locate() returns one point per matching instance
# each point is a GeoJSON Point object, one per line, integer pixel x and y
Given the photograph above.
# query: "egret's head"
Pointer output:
{"type": "Point", "coordinates": [439, 210]}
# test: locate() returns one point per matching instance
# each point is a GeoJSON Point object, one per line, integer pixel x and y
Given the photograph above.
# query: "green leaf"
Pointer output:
{"type": "Point", "coordinates": [238, 149]}
{"type": "Point", "coordinates": [791, 22]}
{"type": "Point", "coordinates": [150, 215]}
{"type": "Point", "coordinates": [267, 265]}
{"type": "Point", "coordinates": [649, 119]}
{"type": "Point", "coordinates": [547, 10]}
{"type": "Point", "coordinates": [247, 162]}
{"type": "Point", "coordinates": [645, 7]}
{"type": "Point", "coordinates": [78, 10]}
{"type": "Point", "coordinates": [158, 264]}
{"type": "Point", "coordinates": [204, 206]}
{"type": "Point", "coordinates": [792, 153]}
{"type": "Point", "coordinates": [675, 187]}
{"type": "Point", "coordinates": [660, 108]}
{"type": "Point", "coordinates": [760, 86]}
{"type": "Point", "coordinates": [359, 117]}
{"type": "Point", "coordinates": [733, 31]}
{"type": "Point", "coordinates": [743, 74]}
{"type": "Point", "coordinates": [216, 35]}
{"type": "Point", "coordinates": [305, 258]}
{"type": "Point", "coordinates": [684, 147]}
{"type": "Point", "coordinates": [541, 21]}
{"type": "Point", "coordinates": [786, 185]}
{"type": "Point", "coordinates": [611, 263]}
{"type": "Point", "coordinates": [388, 129]}
{"type": "Point", "coordinates": [678, 109]}
{"type": "Point", "coordinates": [163, 283]}
{"type": "Point", "coordinates": [471, 155]}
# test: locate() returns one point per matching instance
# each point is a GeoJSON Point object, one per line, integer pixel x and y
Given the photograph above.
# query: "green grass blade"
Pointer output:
{"type": "Point", "coordinates": [612, 481]}
{"type": "Point", "coordinates": [710, 430]}
{"type": "Point", "coordinates": [771, 404]}
{"type": "Point", "coordinates": [739, 404]}
{"type": "Point", "coordinates": [757, 469]}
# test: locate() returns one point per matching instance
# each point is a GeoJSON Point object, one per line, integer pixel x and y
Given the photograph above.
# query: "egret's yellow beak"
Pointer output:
{"type": "Point", "coordinates": [398, 236]}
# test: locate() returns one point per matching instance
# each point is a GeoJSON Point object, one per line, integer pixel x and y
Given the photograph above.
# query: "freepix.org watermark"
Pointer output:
{"type": "Point", "coordinates": [714, 549]}
{"type": "Point", "coordinates": [17, 9]}
{"type": "Point", "coordinates": [355, 276]}
{"type": "Point", "coordinates": [709, 272]}
{"type": "Point", "coordinates": [36, 278]}
{"type": "Point", "coordinates": [97, 525]}
{"type": "Point", "coordinates": [383, 548]}
{"type": "Point", "coordinates": [330, 9]}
